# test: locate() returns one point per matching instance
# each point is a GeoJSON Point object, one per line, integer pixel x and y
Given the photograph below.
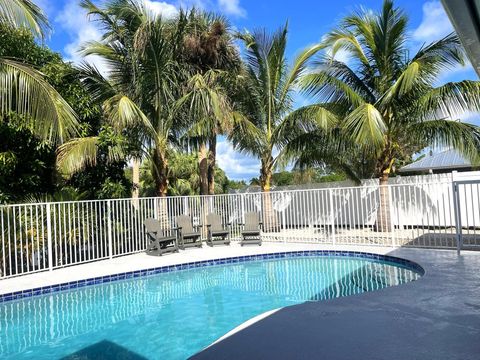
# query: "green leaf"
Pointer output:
{"type": "Point", "coordinates": [366, 126]}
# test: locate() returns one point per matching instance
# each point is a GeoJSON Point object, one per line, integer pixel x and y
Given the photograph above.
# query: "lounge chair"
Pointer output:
{"type": "Point", "coordinates": [251, 229]}
{"type": "Point", "coordinates": [217, 232]}
{"type": "Point", "coordinates": [187, 235]}
{"type": "Point", "coordinates": [160, 243]}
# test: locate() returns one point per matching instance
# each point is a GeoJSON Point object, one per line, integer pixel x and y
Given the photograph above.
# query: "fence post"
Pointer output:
{"type": "Point", "coordinates": [458, 218]}
{"type": "Point", "coordinates": [109, 227]}
{"type": "Point", "coordinates": [332, 216]}
{"type": "Point", "coordinates": [390, 210]}
{"type": "Point", "coordinates": [49, 238]}
{"type": "Point", "coordinates": [283, 224]}
{"type": "Point", "coordinates": [243, 208]}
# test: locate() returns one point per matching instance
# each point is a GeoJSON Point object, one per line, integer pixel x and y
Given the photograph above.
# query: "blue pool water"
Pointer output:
{"type": "Point", "coordinates": [174, 315]}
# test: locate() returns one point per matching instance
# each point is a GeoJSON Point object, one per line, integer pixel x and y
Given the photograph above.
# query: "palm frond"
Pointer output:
{"type": "Point", "coordinates": [246, 136]}
{"type": "Point", "coordinates": [449, 133]}
{"type": "Point", "coordinates": [441, 55]}
{"type": "Point", "coordinates": [320, 148]}
{"type": "Point", "coordinates": [449, 100]}
{"type": "Point", "coordinates": [24, 13]}
{"type": "Point", "coordinates": [79, 153]}
{"type": "Point", "coordinates": [366, 126]}
{"type": "Point", "coordinates": [329, 88]}
{"type": "Point", "coordinates": [312, 117]}
{"type": "Point", "coordinates": [298, 69]}
{"type": "Point", "coordinates": [24, 90]}
{"type": "Point", "coordinates": [95, 83]}
{"type": "Point", "coordinates": [123, 113]}
{"type": "Point", "coordinates": [344, 39]}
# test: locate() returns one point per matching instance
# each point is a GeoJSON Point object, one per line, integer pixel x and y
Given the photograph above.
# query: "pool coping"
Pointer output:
{"type": "Point", "coordinates": [49, 289]}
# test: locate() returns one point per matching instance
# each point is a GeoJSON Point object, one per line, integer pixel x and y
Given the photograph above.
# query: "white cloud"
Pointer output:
{"type": "Point", "coordinates": [434, 26]}
{"type": "Point", "coordinates": [73, 20]}
{"type": "Point", "coordinates": [236, 165]}
{"type": "Point", "coordinates": [232, 7]}
{"type": "Point", "coordinates": [435, 23]}
{"type": "Point", "coordinates": [161, 8]}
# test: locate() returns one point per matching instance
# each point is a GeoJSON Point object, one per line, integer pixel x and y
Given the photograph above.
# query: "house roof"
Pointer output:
{"type": "Point", "coordinates": [445, 160]}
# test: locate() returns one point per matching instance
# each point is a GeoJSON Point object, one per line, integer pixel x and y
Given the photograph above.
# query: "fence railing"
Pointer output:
{"type": "Point", "coordinates": [46, 236]}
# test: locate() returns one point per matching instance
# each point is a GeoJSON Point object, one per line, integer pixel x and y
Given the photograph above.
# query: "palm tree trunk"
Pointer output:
{"type": "Point", "coordinates": [161, 173]}
{"type": "Point", "coordinates": [212, 158]}
{"type": "Point", "coordinates": [136, 178]}
{"type": "Point", "coordinates": [203, 168]}
{"type": "Point", "coordinates": [161, 183]}
{"type": "Point", "coordinates": [269, 219]}
{"type": "Point", "coordinates": [384, 223]}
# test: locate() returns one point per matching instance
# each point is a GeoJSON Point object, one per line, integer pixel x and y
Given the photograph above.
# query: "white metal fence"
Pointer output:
{"type": "Point", "coordinates": [45, 236]}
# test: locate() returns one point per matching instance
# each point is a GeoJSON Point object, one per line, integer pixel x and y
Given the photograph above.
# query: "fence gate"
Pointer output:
{"type": "Point", "coordinates": [466, 204]}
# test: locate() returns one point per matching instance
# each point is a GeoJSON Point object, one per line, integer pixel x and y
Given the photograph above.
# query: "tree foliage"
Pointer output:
{"type": "Point", "coordinates": [387, 104]}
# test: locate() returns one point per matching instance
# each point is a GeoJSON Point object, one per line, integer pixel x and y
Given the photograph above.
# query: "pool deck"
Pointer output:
{"type": "Point", "coordinates": [142, 261]}
{"type": "Point", "coordinates": [436, 317]}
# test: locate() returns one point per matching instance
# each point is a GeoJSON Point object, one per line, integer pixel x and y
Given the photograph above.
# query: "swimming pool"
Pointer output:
{"type": "Point", "coordinates": [175, 314]}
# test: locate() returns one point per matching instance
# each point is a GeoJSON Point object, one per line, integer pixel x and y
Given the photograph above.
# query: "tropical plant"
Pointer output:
{"type": "Point", "coordinates": [183, 176]}
{"type": "Point", "coordinates": [26, 165]}
{"type": "Point", "coordinates": [138, 95]}
{"type": "Point", "coordinates": [24, 89]}
{"type": "Point", "coordinates": [207, 103]}
{"type": "Point", "coordinates": [211, 61]}
{"type": "Point", "coordinates": [386, 103]}
{"type": "Point", "coordinates": [266, 98]}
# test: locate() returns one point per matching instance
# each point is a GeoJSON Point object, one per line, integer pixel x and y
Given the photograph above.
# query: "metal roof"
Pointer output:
{"type": "Point", "coordinates": [445, 160]}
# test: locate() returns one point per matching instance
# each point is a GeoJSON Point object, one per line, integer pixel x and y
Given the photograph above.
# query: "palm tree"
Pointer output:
{"type": "Point", "coordinates": [265, 102]}
{"type": "Point", "coordinates": [206, 101]}
{"type": "Point", "coordinates": [211, 59]}
{"type": "Point", "coordinates": [24, 90]}
{"type": "Point", "coordinates": [266, 98]}
{"type": "Point", "coordinates": [139, 94]}
{"type": "Point", "coordinates": [387, 103]}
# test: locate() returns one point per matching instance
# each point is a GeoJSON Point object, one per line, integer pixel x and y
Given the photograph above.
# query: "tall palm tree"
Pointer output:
{"type": "Point", "coordinates": [206, 101]}
{"type": "Point", "coordinates": [210, 57]}
{"type": "Point", "coordinates": [266, 98]}
{"type": "Point", "coordinates": [139, 94]}
{"type": "Point", "coordinates": [23, 89]}
{"type": "Point", "coordinates": [264, 102]}
{"type": "Point", "coordinates": [387, 104]}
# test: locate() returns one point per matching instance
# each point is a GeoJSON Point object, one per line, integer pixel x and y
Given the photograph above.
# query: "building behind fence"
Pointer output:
{"type": "Point", "coordinates": [428, 213]}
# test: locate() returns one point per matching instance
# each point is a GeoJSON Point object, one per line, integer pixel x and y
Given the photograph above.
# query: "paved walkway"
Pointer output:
{"type": "Point", "coordinates": [436, 317]}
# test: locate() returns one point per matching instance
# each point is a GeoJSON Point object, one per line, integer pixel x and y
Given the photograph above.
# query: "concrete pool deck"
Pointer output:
{"type": "Point", "coordinates": [436, 317]}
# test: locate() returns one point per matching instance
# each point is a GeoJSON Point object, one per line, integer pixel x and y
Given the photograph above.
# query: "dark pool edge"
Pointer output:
{"type": "Point", "coordinates": [198, 264]}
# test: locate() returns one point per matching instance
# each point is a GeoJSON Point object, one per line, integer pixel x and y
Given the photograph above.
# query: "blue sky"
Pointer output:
{"type": "Point", "coordinates": [308, 21]}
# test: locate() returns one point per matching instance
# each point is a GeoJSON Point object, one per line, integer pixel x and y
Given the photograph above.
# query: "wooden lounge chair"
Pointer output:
{"type": "Point", "coordinates": [188, 236]}
{"type": "Point", "coordinates": [160, 243]}
{"type": "Point", "coordinates": [217, 232]}
{"type": "Point", "coordinates": [251, 232]}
